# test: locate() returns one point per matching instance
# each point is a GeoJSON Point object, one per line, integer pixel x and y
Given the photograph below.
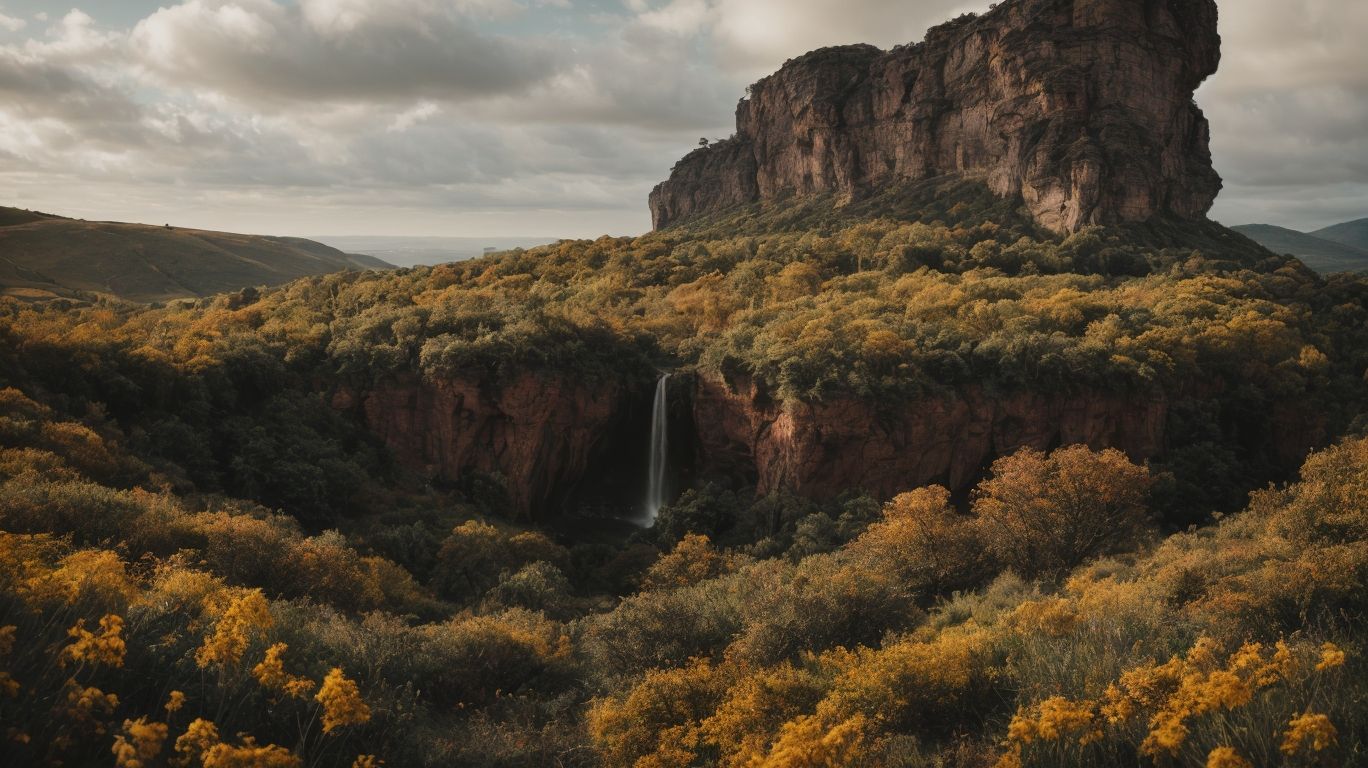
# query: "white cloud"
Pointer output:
{"type": "Point", "coordinates": [11, 24]}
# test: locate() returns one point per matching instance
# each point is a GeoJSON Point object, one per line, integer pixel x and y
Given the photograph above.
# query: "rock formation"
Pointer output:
{"type": "Point", "coordinates": [823, 449]}
{"type": "Point", "coordinates": [540, 433]}
{"type": "Point", "coordinates": [1083, 108]}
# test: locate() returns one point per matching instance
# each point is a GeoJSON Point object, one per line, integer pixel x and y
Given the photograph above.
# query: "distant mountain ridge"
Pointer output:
{"type": "Point", "coordinates": [1340, 248]}
{"type": "Point", "coordinates": [1350, 233]}
{"type": "Point", "coordinates": [46, 256]}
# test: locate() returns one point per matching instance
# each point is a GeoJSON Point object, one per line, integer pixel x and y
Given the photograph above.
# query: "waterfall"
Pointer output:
{"type": "Point", "coordinates": [660, 444]}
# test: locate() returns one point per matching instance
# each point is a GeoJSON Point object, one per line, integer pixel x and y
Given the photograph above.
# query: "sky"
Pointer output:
{"type": "Point", "coordinates": [537, 118]}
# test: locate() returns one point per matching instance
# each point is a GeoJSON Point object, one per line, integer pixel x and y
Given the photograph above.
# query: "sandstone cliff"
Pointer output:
{"type": "Point", "coordinates": [1083, 108]}
{"type": "Point", "coordinates": [823, 449]}
{"type": "Point", "coordinates": [540, 433]}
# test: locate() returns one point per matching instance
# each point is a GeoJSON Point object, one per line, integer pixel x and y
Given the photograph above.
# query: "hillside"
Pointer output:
{"type": "Point", "coordinates": [43, 256]}
{"type": "Point", "coordinates": [1324, 255]}
{"type": "Point", "coordinates": [905, 478]}
{"type": "Point", "coordinates": [1350, 233]}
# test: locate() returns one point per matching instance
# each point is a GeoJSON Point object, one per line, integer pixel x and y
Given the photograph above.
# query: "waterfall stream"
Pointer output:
{"type": "Point", "coordinates": [660, 444]}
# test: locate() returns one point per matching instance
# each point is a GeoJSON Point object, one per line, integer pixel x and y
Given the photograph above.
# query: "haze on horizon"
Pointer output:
{"type": "Point", "coordinates": [536, 118]}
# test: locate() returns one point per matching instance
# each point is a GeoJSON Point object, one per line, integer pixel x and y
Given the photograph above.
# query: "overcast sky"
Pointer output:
{"type": "Point", "coordinates": [537, 117]}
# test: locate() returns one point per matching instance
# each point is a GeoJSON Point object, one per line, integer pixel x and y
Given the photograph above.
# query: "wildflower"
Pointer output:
{"type": "Point", "coordinates": [250, 755]}
{"type": "Point", "coordinates": [105, 648]}
{"type": "Point", "coordinates": [367, 761]}
{"type": "Point", "coordinates": [1315, 728]}
{"type": "Point", "coordinates": [1226, 757]}
{"type": "Point", "coordinates": [140, 742]}
{"type": "Point", "coordinates": [199, 737]}
{"type": "Point", "coordinates": [1224, 689]}
{"type": "Point", "coordinates": [342, 702]}
{"type": "Point", "coordinates": [1023, 728]}
{"type": "Point", "coordinates": [1060, 717]}
{"type": "Point", "coordinates": [86, 705]}
{"type": "Point", "coordinates": [1167, 735]}
{"type": "Point", "coordinates": [1330, 657]}
{"type": "Point", "coordinates": [174, 702]}
{"type": "Point", "coordinates": [272, 675]}
{"type": "Point", "coordinates": [245, 616]}
{"type": "Point", "coordinates": [1118, 707]}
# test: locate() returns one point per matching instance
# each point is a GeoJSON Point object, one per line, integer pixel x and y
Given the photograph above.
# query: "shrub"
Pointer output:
{"type": "Point", "coordinates": [1046, 514]}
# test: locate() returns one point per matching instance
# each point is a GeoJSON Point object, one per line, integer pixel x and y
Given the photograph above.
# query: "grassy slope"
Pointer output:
{"type": "Point", "coordinates": [49, 256]}
{"type": "Point", "coordinates": [1350, 233]}
{"type": "Point", "coordinates": [1321, 254]}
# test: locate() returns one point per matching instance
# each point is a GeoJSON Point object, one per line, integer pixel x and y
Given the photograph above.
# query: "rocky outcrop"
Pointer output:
{"type": "Point", "coordinates": [540, 433]}
{"type": "Point", "coordinates": [823, 449]}
{"type": "Point", "coordinates": [1083, 108]}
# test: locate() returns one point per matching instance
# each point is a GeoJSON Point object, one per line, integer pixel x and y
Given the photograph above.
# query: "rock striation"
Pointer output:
{"type": "Point", "coordinates": [821, 450]}
{"type": "Point", "coordinates": [1082, 108]}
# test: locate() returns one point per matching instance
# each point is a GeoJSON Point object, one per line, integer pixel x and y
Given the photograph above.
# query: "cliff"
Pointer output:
{"type": "Point", "coordinates": [1082, 108]}
{"type": "Point", "coordinates": [540, 433]}
{"type": "Point", "coordinates": [823, 449]}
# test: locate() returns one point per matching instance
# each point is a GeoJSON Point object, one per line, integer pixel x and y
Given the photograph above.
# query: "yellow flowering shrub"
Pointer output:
{"type": "Point", "coordinates": [744, 724]}
{"type": "Point", "coordinates": [249, 754]}
{"type": "Point", "coordinates": [245, 616]}
{"type": "Point", "coordinates": [140, 742]}
{"type": "Point", "coordinates": [1226, 757]}
{"type": "Point", "coordinates": [1308, 731]}
{"type": "Point", "coordinates": [1166, 702]}
{"type": "Point", "coordinates": [662, 711]}
{"type": "Point", "coordinates": [86, 647]}
{"type": "Point", "coordinates": [199, 737]}
{"type": "Point", "coordinates": [88, 706]}
{"type": "Point", "coordinates": [272, 675]}
{"type": "Point", "coordinates": [174, 701]}
{"type": "Point", "coordinates": [342, 702]}
{"type": "Point", "coordinates": [809, 742]}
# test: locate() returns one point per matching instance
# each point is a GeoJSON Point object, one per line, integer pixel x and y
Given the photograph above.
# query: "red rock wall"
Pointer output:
{"type": "Point", "coordinates": [1082, 107]}
{"type": "Point", "coordinates": [823, 449]}
{"type": "Point", "coordinates": [540, 433]}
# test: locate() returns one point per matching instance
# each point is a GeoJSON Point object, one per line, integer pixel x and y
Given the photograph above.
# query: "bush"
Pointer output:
{"type": "Point", "coordinates": [1042, 515]}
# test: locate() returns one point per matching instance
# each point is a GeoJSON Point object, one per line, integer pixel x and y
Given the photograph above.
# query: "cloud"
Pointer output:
{"type": "Point", "coordinates": [261, 51]}
{"type": "Point", "coordinates": [284, 115]}
{"type": "Point", "coordinates": [11, 24]}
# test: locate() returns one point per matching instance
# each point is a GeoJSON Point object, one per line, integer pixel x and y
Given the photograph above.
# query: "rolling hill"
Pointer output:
{"type": "Point", "coordinates": [44, 256]}
{"type": "Point", "coordinates": [1318, 252]}
{"type": "Point", "coordinates": [1350, 233]}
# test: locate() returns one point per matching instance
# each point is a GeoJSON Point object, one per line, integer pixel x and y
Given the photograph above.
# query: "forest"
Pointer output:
{"type": "Point", "coordinates": [204, 563]}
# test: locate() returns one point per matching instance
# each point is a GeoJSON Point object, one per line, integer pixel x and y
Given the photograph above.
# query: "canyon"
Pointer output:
{"type": "Point", "coordinates": [1082, 108]}
{"type": "Point", "coordinates": [548, 437]}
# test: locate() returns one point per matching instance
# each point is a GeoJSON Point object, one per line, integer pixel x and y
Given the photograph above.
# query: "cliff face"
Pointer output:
{"type": "Point", "coordinates": [823, 449]}
{"type": "Point", "coordinates": [541, 433]}
{"type": "Point", "coordinates": [1083, 108]}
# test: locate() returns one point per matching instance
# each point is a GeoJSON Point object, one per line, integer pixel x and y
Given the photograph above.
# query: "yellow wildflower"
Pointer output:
{"type": "Point", "coordinates": [342, 702]}
{"type": "Point", "coordinates": [245, 616]}
{"type": "Point", "coordinates": [199, 737]}
{"type": "Point", "coordinates": [1224, 689]}
{"type": "Point", "coordinates": [1060, 718]}
{"type": "Point", "coordinates": [105, 648]}
{"type": "Point", "coordinates": [1330, 657]}
{"type": "Point", "coordinates": [367, 761]}
{"type": "Point", "coordinates": [272, 675]}
{"type": "Point", "coordinates": [140, 742]}
{"type": "Point", "coordinates": [250, 755]}
{"type": "Point", "coordinates": [85, 705]}
{"type": "Point", "coordinates": [1023, 728]}
{"type": "Point", "coordinates": [174, 702]}
{"type": "Point", "coordinates": [1310, 727]}
{"type": "Point", "coordinates": [1226, 757]}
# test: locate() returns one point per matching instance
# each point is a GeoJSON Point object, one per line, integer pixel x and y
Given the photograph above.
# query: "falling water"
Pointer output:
{"type": "Point", "coordinates": [660, 443]}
